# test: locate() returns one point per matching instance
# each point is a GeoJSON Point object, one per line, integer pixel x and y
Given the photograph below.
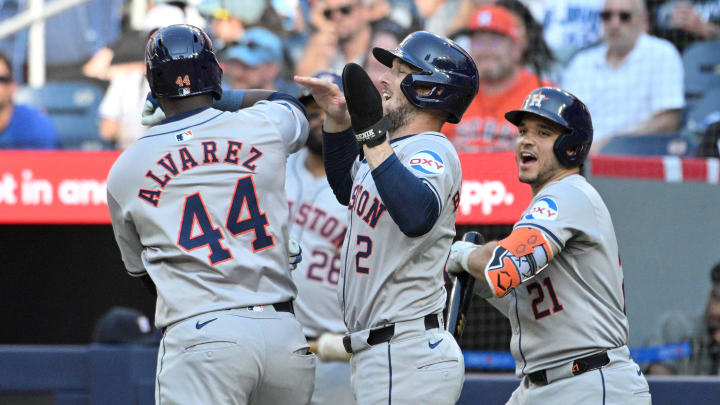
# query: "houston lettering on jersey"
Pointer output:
{"type": "Point", "coordinates": [319, 221]}
{"type": "Point", "coordinates": [359, 201]}
{"type": "Point", "coordinates": [182, 160]}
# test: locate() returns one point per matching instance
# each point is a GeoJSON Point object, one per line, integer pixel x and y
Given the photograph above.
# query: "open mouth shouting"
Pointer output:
{"type": "Point", "coordinates": [526, 159]}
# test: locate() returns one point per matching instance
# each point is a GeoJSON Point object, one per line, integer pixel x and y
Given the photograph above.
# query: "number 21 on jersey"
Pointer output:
{"type": "Point", "coordinates": [197, 229]}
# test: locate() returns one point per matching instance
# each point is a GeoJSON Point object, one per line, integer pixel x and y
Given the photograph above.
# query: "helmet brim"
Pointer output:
{"type": "Point", "coordinates": [386, 56]}
{"type": "Point", "coordinates": [515, 117]}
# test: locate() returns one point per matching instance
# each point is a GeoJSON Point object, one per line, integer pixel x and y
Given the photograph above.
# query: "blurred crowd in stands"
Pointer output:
{"type": "Point", "coordinates": [649, 71]}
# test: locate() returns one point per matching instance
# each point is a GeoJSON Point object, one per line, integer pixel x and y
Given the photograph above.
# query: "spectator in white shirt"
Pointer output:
{"type": "Point", "coordinates": [570, 25]}
{"type": "Point", "coordinates": [632, 82]}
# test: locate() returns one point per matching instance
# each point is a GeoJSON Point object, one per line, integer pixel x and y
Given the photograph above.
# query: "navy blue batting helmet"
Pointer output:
{"type": "Point", "coordinates": [569, 112]}
{"type": "Point", "coordinates": [447, 71]}
{"type": "Point", "coordinates": [181, 62]}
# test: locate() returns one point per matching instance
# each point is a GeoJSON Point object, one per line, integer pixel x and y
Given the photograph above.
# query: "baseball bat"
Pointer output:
{"type": "Point", "coordinates": [461, 294]}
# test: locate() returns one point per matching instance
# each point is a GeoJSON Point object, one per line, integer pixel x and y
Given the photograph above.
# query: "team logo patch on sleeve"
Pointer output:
{"type": "Point", "coordinates": [544, 208]}
{"type": "Point", "coordinates": [428, 162]}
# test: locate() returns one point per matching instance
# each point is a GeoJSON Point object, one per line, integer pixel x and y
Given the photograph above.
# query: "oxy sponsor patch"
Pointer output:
{"type": "Point", "coordinates": [428, 162]}
{"type": "Point", "coordinates": [544, 208]}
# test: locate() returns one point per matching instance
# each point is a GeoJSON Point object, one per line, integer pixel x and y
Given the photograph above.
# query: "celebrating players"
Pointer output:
{"type": "Point", "coordinates": [400, 179]}
{"type": "Point", "coordinates": [199, 210]}
{"type": "Point", "coordinates": [557, 277]}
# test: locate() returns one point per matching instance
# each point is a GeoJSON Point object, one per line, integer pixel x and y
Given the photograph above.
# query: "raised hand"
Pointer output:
{"type": "Point", "coordinates": [330, 99]}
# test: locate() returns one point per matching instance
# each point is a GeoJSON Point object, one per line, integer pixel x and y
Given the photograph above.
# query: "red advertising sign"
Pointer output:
{"type": "Point", "coordinates": [491, 192]}
{"type": "Point", "coordinates": [68, 187]}
{"type": "Point", "coordinates": [43, 187]}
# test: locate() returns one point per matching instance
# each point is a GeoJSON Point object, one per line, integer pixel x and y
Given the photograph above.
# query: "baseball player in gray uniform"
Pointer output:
{"type": "Point", "coordinates": [401, 188]}
{"type": "Point", "coordinates": [557, 277]}
{"type": "Point", "coordinates": [318, 222]}
{"type": "Point", "coordinates": [198, 208]}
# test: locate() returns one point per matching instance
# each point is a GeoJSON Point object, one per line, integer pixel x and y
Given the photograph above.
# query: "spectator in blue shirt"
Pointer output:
{"type": "Point", "coordinates": [21, 126]}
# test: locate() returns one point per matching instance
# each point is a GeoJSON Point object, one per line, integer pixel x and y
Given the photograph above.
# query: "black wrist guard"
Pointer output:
{"type": "Point", "coordinates": [375, 134]}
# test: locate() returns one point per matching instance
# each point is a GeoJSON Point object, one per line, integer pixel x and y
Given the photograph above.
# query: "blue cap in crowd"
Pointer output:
{"type": "Point", "coordinates": [257, 46]}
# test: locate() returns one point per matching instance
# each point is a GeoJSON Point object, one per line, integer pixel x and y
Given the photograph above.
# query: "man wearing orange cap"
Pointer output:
{"type": "Point", "coordinates": [496, 47]}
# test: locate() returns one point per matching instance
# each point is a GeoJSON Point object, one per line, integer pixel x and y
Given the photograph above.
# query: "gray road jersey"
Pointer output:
{"type": "Point", "coordinates": [318, 223]}
{"type": "Point", "coordinates": [199, 204]}
{"type": "Point", "coordinates": [387, 276]}
{"type": "Point", "coordinates": [575, 307]}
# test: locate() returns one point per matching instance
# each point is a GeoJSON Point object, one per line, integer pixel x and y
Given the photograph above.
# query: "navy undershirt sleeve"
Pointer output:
{"type": "Point", "coordinates": [339, 152]}
{"type": "Point", "coordinates": [396, 184]}
{"type": "Point", "coordinates": [231, 100]}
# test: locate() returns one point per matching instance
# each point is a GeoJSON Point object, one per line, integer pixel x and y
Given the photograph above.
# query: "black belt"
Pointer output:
{"type": "Point", "coordinates": [286, 306]}
{"type": "Point", "coordinates": [384, 334]}
{"type": "Point", "coordinates": [579, 366]}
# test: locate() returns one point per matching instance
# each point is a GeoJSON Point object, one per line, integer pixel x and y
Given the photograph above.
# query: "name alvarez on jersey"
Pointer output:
{"type": "Point", "coordinates": [233, 154]}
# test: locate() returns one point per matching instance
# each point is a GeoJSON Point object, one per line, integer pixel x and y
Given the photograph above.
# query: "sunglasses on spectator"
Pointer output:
{"type": "Point", "coordinates": [5, 79]}
{"type": "Point", "coordinates": [488, 43]}
{"type": "Point", "coordinates": [345, 10]}
{"type": "Point", "coordinates": [252, 45]}
{"type": "Point", "coordinates": [607, 15]}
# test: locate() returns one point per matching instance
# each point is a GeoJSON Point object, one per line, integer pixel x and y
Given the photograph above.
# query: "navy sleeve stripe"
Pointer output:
{"type": "Point", "coordinates": [543, 229]}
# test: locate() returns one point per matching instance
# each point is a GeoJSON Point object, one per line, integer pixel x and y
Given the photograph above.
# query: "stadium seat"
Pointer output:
{"type": "Point", "coordinates": [649, 145]}
{"type": "Point", "coordinates": [73, 109]}
{"type": "Point", "coordinates": [701, 63]}
{"type": "Point", "coordinates": [701, 114]}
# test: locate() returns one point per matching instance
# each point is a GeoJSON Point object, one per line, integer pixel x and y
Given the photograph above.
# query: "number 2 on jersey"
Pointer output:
{"type": "Point", "coordinates": [195, 214]}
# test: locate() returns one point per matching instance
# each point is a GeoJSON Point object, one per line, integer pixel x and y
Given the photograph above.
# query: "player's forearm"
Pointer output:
{"type": "Point", "coordinates": [395, 184]}
{"type": "Point", "coordinates": [233, 100]}
{"type": "Point", "coordinates": [479, 259]}
{"type": "Point", "coordinates": [339, 152]}
{"type": "Point", "coordinates": [335, 125]}
{"type": "Point", "coordinates": [378, 154]}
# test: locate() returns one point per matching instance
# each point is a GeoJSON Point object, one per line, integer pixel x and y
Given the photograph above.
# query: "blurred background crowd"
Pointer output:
{"type": "Point", "coordinates": [648, 70]}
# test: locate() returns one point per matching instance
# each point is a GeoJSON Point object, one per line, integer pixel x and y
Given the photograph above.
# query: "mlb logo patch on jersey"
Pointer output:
{"type": "Point", "coordinates": [185, 136]}
{"type": "Point", "coordinates": [428, 162]}
{"type": "Point", "coordinates": [544, 208]}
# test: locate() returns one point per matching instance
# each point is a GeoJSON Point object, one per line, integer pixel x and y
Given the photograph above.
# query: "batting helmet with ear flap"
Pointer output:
{"type": "Point", "coordinates": [566, 110]}
{"type": "Point", "coordinates": [181, 62]}
{"type": "Point", "coordinates": [445, 68]}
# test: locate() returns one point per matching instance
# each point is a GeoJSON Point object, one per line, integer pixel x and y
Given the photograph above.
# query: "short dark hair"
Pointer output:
{"type": "Point", "coordinates": [715, 273]}
{"type": "Point", "coordinates": [8, 64]}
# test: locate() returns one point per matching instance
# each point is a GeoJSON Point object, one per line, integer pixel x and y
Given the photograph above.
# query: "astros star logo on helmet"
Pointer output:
{"type": "Point", "coordinates": [537, 99]}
